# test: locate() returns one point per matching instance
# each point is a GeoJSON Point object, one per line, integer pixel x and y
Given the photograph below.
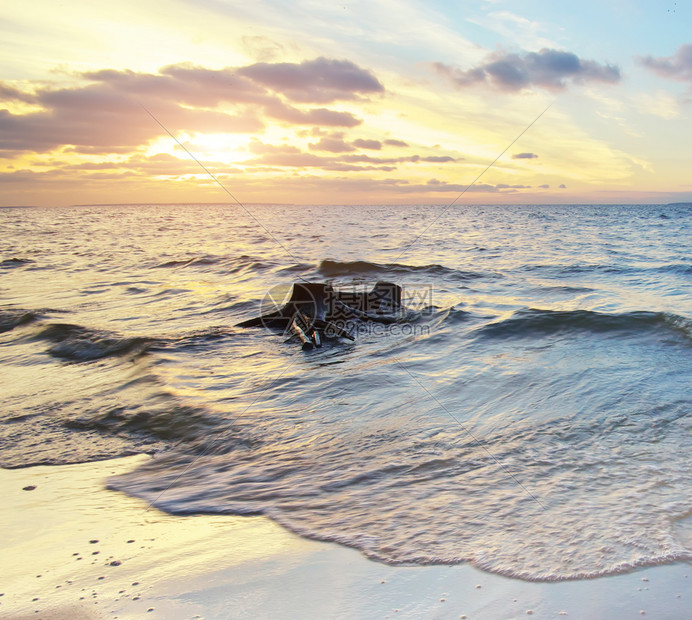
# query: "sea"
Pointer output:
{"type": "Point", "coordinates": [530, 413]}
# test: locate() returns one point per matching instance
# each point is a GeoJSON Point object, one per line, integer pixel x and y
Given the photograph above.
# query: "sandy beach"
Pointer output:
{"type": "Point", "coordinates": [74, 549]}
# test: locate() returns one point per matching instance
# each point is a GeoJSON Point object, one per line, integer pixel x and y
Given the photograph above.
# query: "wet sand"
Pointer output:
{"type": "Point", "coordinates": [73, 549]}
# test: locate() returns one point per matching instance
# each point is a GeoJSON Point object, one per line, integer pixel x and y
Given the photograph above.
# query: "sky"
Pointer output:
{"type": "Point", "coordinates": [350, 102]}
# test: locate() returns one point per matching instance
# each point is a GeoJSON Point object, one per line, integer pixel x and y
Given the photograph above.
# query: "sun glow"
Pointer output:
{"type": "Point", "coordinates": [220, 148]}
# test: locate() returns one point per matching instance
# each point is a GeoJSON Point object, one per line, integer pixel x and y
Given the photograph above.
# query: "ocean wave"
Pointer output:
{"type": "Point", "coordinates": [533, 322]}
{"type": "Point", "coordinates": [9, 319]}
{"type": "Point", "coordinates": [231, 264]}
{"type": "Point", "coordinates": [679, 269]}
{"type": "Point", "coordinates": [10, 263]}
{"type": "Point", "coordinates": [195, 339]}
{"type": "Point", "coordinates": [81, 344]}
{"type": "Point", "coordinates": [114, 418]}
{"type": "Point", "coordinates": [168, 421]}
{"type": "Point", "coordinates": [450, 316]}
{"type": "Point", "coordinates": [578, 269]}
{"type": "Point", "coordinates": [187, 262]}
{"type": "Point", "coordinates": [333, 269]}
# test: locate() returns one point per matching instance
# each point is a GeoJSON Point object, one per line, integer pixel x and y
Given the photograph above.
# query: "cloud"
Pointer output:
{"type": "Point", "coordinates": [397, 143]}
{"type": "Point", "coordinates": [331, 145]}
{"type": "Point", "coordinates": [341, 159]}
{"type": "Point", "coordinates": [89, 118]}
{"type": "Point", "coordinates": [262, 48]}
{"type": "Point", "coordinates": [9, 93]}
{"type": "Point", "coordinates": [316, 116]}
{"type": "Point", "coordinates": [260, 148]}
{"type": "Point", "coordinates": [676, 67]}
{"type": "Point", "coordinates": [562, 186]}
{"type": "Point", "coordinates": [106, 111]}
{"type": "Point", "coordinates": [437, 159]}
{"type": "Point", "coordinates": [659, 104]}
{"type": "Point", "coordinates": [160, 164]}
{"type": "Point", "coordinates": [314, 81]}
{"type": "Point", "coordinates": [373, 145]}
{"type": "Point", "coordinates": [524, 156]}
{"type": "Point", "coordinates": [550, 69]}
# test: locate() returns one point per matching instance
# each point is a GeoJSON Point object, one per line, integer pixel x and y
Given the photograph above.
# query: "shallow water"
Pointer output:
{"type": "Point", "coordinates": [530, 415]}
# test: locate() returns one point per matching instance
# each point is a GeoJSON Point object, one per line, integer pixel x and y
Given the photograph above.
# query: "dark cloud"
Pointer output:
{"type": "Point", "coordinates": [562, 186]}
{"type": "Point", "coordinates": [676, 67]}
{"type": "Point", "coordinates": [315, 81]}
{"type": "Point", "coordinates": [548, 68]}
{"type": "Point", "coordinates": [373, 145]}
{"type": "Point", "coordinates": [546, 186]}
{"type": "Point", "coordinates": [524, 156]}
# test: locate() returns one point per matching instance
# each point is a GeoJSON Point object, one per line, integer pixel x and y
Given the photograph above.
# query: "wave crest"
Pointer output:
{"type": "Point", "coordinates": [9, 319]}
{"type": "Point", "coordinates": [80, 344]}
{"type": "Point", "coordinates": [536, 322]}
{"type": "Point", "coordinates": [332, 269]}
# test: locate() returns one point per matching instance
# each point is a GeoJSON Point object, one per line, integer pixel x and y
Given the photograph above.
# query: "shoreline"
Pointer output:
{"type": "Point", "coordinates": [74, 549]}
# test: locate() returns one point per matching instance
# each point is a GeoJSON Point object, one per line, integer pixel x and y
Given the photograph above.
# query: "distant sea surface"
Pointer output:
{"type": "Point", "coordinates": [531, 414]}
